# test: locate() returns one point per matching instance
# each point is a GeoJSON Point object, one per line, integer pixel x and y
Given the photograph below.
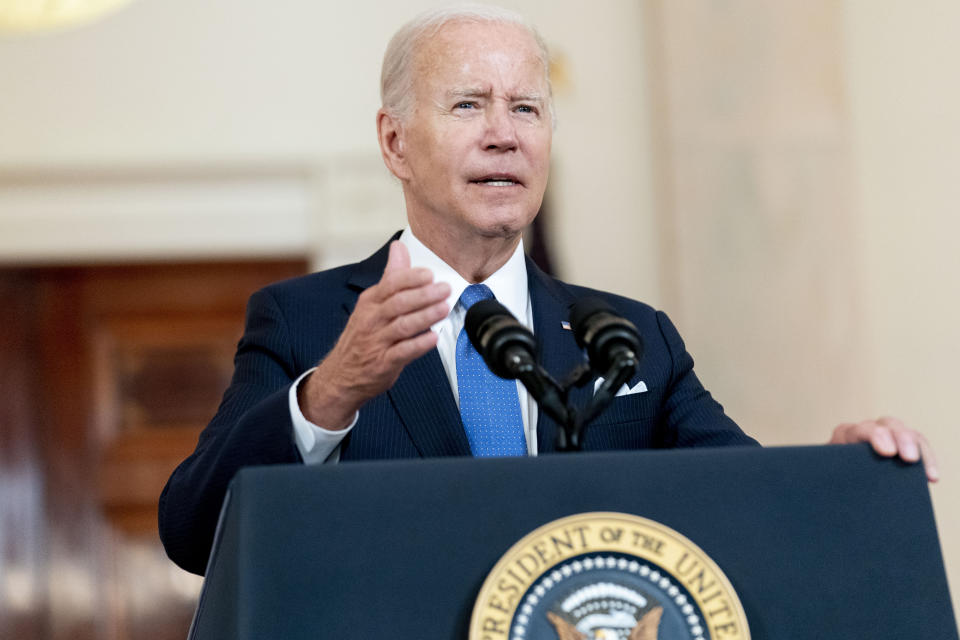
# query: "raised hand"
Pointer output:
{"type": "Point", "coordinates": [389, 328]}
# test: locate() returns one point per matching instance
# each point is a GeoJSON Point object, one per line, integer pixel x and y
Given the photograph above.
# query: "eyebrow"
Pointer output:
{"type": "Point", "coordinates": [468, 93]}
{"type": "Point", "coordinates": [485, 93]}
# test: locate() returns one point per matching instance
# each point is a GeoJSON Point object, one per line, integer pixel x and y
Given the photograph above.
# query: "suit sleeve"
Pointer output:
{"type": "Point", "coordinates": [251, 427]}
{"type": "Point", "coordinates": [693, 417]}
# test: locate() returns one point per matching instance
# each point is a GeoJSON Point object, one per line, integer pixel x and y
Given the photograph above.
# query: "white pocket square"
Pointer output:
{"type": "Point", "coordinates": [640, 387]}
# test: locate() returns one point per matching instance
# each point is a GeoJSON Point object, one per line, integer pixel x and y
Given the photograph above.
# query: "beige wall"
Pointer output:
{"type": "Point", "coordinates": [806, 158]}
{"type": "Point", "coordinates": [199, 93]}
{"type": "Point", "coordinates": [760, 266]}
{"type": "Point", "coordinates": [781, 177]}
{"type": "Point", "coordinates": [905, 116]}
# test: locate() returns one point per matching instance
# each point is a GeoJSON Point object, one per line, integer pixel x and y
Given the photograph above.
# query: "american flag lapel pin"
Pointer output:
{"type": "Point", "coordinates": [565, 325]}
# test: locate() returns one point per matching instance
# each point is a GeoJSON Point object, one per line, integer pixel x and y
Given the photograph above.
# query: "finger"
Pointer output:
{"type": "Point", "coordinates": [907, 445]}
{"type": "Point", "coordinates": [411, 324]}
{"type": "Point", "coordinates": [398, 257]}
{"type": "Point", "coordinates": [398, 280]}
{"type": "Point", "coordinates": [879, 437]}
{"type": "Point", "coordinates": [908, 440]}
{"type": "Point", "coordinates": [841, 434]}
{"type": "Point", "coordinates": [406, 351]}
{"type": "Point", "coordinates": [416, 299]}
{"type": "Point", "coordinates": [929, 459]}
{"type": "Point", "coordinates": [866, 431]}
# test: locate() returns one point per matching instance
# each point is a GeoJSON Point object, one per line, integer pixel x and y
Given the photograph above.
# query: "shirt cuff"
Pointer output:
{"type": "Point", "coordinates": [316, 444]}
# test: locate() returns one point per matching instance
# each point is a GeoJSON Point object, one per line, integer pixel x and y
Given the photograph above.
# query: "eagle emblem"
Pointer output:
{"type": "Point", "coordinates": [606, 611]}
{"type": "Point", "coordinates": [645, 629]}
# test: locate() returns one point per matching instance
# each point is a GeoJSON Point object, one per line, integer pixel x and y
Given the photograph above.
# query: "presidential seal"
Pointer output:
{"type": "Point", "coordinates": [607, 576]}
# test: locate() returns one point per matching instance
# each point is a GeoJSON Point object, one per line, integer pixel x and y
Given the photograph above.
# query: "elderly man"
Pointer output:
{"type": "Point", "coordinates": [369, 361]}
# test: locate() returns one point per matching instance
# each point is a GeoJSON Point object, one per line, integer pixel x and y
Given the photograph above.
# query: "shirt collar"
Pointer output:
{"type": "Point", "coordinates": [508, 283]}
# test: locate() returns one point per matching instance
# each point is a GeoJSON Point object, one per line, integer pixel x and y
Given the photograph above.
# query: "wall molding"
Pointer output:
{"type": "Point", "coordinates": [327, 210]}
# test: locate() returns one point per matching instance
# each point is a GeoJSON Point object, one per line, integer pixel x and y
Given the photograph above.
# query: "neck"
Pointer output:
{"type": "Point", "coordinates": [475, 258]}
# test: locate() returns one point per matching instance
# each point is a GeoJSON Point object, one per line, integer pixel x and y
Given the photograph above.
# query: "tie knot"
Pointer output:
{"type": "Point", "coordinates": [474, 294]}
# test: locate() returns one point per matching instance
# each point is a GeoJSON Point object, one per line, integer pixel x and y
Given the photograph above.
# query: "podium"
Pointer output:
{"type": "Point", "coordinates": [818, 542]}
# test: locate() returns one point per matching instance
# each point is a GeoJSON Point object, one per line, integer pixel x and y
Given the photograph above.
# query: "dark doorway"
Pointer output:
{"type": "Point", "coordinates": [107, 375]}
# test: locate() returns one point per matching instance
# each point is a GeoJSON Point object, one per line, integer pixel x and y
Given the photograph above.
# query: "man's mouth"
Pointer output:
{"type": "Point", "coordinates": [498, 180]}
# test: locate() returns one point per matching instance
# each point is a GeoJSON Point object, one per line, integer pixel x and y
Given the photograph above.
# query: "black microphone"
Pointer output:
{"type": "Point", "coordinates": [607, 337]}
{"type": "Point", "coordinates": [509, 349]}
{"type": "Point", "coordinates": [613, 347]}
{"type": "Point", "coordinates": [506, 345]}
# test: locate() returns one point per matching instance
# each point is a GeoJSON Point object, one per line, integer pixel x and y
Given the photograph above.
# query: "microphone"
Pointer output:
{"type": "Point", "coordinates": [509, 350]}
{"type": "Point", "coordinates": [610, 340]}
{"type": "Point", "coordinates": [505, 344]}
{"type": "Point", "coordinates": [613, 347]}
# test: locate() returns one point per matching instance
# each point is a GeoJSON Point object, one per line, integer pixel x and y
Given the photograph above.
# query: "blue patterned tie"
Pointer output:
{"type": "Point", "coordinates": [489, 405]}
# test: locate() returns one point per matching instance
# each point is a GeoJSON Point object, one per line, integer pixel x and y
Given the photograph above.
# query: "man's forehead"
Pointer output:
{"type": "Point", "coordinates": [475, 56]}
{"type": "Point", "coordinates": [456, 41]}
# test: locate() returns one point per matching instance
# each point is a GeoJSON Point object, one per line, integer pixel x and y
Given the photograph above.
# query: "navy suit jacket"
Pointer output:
{"type": "Point", "coordinates": [291, 325]}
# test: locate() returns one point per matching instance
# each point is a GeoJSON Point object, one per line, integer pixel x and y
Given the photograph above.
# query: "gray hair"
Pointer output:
{"type": "Point", "coordinates": [396, 75]}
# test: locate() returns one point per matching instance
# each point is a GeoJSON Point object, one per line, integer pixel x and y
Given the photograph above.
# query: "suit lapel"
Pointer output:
{"type": "Point", "coordinates": [421, 395]}
{"type": "Point", "coordinates": [424, 400]}
{"type": "Point", "coordinates": [558, 350]}
{"type": "Point", "coordinates": [367, 273]}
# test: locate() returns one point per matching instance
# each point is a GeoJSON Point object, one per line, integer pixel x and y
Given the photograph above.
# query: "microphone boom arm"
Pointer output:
{"type": "Point", "coordinates": [622, 368]}
{"type": "Point", "coordinates": [551, 397]}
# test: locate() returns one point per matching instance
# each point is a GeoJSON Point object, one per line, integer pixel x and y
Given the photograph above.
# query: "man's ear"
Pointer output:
{"type": "Point", "coordinates": [390, 134]}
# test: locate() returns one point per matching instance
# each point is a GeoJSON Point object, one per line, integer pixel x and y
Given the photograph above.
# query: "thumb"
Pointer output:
{"type": "Point", "coordinates": [399, 257]}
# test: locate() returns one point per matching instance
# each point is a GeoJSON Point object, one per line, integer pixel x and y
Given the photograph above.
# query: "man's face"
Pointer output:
{"type": "Point", "coordinates": [477, 145]}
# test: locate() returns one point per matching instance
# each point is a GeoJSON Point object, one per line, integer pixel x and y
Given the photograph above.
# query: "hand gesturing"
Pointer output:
{"type": "Point", "coordinates": [389, 328]}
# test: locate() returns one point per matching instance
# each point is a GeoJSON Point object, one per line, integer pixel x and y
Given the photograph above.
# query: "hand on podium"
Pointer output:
{"type": "Point", "coordinates": [890, 437]}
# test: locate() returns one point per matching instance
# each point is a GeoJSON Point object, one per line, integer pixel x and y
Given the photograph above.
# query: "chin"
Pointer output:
{"type": "Point", "coordinates": [505, 231]}
{"type": "Point", "coordinates": [504, 224]}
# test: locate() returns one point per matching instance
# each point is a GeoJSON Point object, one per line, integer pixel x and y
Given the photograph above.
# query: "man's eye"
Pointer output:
{"type": "Point", "coordinates": [526, 108]}
{"type": "Point", "coordinates": [466, 105]}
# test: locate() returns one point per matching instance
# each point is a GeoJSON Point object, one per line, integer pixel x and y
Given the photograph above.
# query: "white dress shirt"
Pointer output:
{"type": "Point", "coordinates": [509, 286]}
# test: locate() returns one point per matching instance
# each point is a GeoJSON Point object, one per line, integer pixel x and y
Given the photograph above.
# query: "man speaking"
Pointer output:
{"type": "Point", "coordinates": [370, 360]}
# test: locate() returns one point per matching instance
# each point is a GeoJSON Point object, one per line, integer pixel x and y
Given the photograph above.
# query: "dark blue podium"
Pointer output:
{"type": "Point", "coordinates": [818, 542]}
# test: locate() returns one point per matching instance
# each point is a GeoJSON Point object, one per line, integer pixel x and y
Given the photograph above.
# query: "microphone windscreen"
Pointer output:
{"type": "Point", "coordinates": [478, 314]}
{"type": "Point", "coordinates": [580, 312]}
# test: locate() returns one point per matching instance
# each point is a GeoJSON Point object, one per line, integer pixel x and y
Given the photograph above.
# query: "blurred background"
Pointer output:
{"type": "Point", "coordinates": [780, 177]}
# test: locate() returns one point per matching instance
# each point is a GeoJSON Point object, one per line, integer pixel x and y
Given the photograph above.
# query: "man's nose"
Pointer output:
{"type": "Point", "coordinates": [501, 130]}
